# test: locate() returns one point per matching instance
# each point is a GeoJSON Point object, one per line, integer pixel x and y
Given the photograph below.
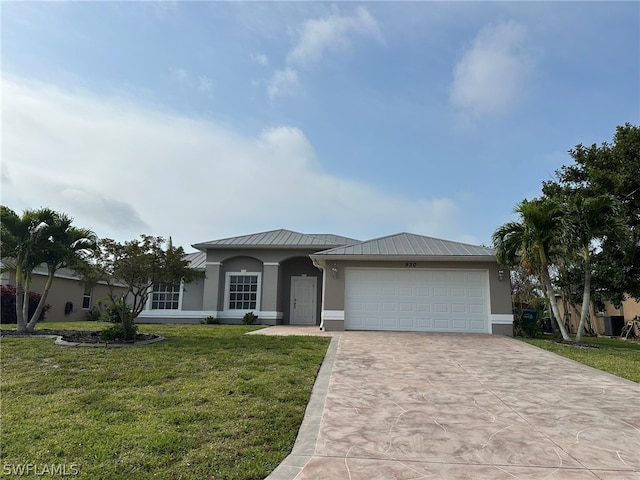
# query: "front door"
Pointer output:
{"type": "Point", "coordinates": [303, 300]}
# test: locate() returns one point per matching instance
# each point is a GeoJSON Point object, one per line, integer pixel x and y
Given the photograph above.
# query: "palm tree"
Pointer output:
{"type": "Point", "coordinates": [585, 221]}
{"type": "Point", "coordinates": [530, 242]}
{"type": "Point", "coordinates": [23, 241]}
{"type": "Point", "coordinates": [68, 246]}
{"type": "Point", "coordinates": [38, 237]}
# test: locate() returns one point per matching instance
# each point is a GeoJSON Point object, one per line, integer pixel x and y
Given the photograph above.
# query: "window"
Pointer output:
{"type": "Point", "coordinates": [86, 298]}
{"type": "Point", "coordinates": [165, 297]}
{"type": "Point", "coordinates": [243, 291]}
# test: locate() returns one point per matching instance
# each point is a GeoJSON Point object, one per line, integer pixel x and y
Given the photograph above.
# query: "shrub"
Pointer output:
{"type": "Point", "coordinates": [93, 314]}
{"type": "Point", "coordinates": [249, 318]}
{"type": "Point", "coordinates": [116, 332]}
{"type": "Point", "coordinates": [210, 321]}
{"type": "Point", "coordinates": [113, 311]}
{"type": "Point", "coordinates": [8, 305]}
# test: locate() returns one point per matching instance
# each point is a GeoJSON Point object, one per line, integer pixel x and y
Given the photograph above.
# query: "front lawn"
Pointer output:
{"type": "Point", "coordinates": [208, 402]}
{"type": "Point", "coordinates": [616, 356]}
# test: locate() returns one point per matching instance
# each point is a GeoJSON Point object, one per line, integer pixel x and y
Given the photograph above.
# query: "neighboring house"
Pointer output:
{"type": "Point", "coordinates": [629, 309]}
{"type": "Point", "coordinates": [69, 297]}
{"type": "Point", "coordinates": [402, 282]}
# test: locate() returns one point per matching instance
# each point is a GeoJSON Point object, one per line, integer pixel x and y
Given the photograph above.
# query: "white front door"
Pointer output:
{"type": "Point", "coordinates": [303, 300]}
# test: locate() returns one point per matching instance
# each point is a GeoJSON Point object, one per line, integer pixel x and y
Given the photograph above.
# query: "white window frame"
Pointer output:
{"type": "Point", "coordinates": [150, 299]}
{"type": "Point", "coordinates": [227, 293]}
{"type": "Point", "coordinates": [86, 295]}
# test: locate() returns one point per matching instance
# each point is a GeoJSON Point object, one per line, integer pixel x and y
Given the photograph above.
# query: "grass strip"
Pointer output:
{"type": "Point", "coordinates": [614, 355]}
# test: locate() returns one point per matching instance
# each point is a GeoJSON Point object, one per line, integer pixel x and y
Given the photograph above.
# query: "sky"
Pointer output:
{"type": "Point", "coordinates": [206, 120]}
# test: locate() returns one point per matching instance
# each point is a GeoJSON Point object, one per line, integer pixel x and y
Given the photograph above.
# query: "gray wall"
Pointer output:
{"type": "Point", "coordinates": [281, 264]}
{"type": "Point", "coordinates": [237, 264]}
{"type": "Point", "coordinates": [192, 295]}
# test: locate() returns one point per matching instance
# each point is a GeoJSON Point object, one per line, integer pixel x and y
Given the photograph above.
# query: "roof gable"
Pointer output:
{"type": "Point", "coordinates": [281, 238]}
{"type": "Point", "coordinates": [409, 245]}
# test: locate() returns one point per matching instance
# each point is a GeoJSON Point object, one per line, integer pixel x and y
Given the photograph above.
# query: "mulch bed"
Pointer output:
{"type": "Point", "coordinates": [76, 336]}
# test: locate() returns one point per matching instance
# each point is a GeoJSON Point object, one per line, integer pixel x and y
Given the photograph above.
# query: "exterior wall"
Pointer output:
{"type": "Point", "coordinates": [207, 297]}
{"type": "Point", "coordinates": [169, 320]}
{"type": "Point", "coordinates": [65, 290]}
{"type": "Point", "coordinates": [500, 315]}
{"type": "Point", "coordinates": [238, 264]}
{"type": "Point", "coordinates": [630, 309]}
{"type": "Point", "coordinates": [498, 329]}
{"type": "Point", "coordinates": [192, 295]}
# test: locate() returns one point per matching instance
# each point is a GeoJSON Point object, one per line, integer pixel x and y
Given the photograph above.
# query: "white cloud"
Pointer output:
{"type": "Point", "coordinates": [315, 37]}
{"type": "Point", "coordinates": [493, 72]}
{"type": "Point", "coordinates": [200, 83]}
{"type": "Point", "coordinates": [283, 83]}
{"type": "Point", "coordinates": [333, 32]}
{"type": "Point", "coordinates": [123, 170]}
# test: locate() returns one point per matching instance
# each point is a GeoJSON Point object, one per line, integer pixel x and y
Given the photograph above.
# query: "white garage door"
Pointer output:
{"type": "Point", "coordinates": [417, 300]}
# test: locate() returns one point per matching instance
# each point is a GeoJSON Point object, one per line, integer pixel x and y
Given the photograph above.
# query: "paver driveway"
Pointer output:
{"type": "Point", "coordinates": [443, 406]}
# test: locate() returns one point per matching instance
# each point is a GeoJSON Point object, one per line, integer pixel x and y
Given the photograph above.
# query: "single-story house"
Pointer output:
{"type": "Point", "coordinates": [402, 282]}
{"type": "Point", "coordinates": [70, 298]}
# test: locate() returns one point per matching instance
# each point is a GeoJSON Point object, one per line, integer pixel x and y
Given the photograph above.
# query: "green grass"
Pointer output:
{"type": "Point", "coordinates": [207, 403]}
{"type": "Point", "coordinates": [616, 356]}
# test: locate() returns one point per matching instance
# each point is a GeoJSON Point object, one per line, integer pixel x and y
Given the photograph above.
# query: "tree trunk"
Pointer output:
{"type": "Point", "coordinates": [586, 297]}
{"type": "Point", "coordinates": [546, 279]}
{"type": "Point", "coordinates": [36, 315]}
{"type": "Point", "coordinates": [22, 323]}
{"type": "Point", "coordinates": [126, 318]}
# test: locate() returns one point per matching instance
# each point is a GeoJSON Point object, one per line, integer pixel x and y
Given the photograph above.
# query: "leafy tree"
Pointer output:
{"type": "Point", "coordinates": [529, 242]}
{"type": "Point", "coordinates": [136, 266]}
{"type": "Point", "coordinates": [609, 169]}
{"type": "Point", "coordinates": [586, 220]}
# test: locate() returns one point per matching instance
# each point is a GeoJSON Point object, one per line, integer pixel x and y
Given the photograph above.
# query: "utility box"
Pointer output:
{"type": "Point", "coordinates": [613, 325]}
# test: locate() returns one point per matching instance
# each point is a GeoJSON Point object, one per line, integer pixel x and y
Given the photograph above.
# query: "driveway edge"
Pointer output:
{"type": "Point", "coordinates": [305, 444]}
{"type": "Point", "coordinates": [602, 373]}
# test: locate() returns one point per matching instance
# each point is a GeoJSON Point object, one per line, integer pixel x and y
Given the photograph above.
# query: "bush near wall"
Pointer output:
{"type": "Point", "coordinates": [8, 305]}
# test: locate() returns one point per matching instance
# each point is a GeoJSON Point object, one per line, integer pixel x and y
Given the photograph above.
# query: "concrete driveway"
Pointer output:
{"type": "Point", "coordinates": [444, 406]}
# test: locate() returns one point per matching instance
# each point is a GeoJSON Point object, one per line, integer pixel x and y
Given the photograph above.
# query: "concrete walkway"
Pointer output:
{"type": "Point", "coordinates": [443, 406]}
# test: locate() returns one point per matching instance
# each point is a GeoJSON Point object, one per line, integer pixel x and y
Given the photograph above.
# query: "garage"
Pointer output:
{"type": "Point", "coordinates": [410, 299]}
{"type": "Point", "coordinates": [414, 283]}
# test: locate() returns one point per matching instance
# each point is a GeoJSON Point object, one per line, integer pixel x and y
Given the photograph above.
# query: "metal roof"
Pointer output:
{"type": "Point", "coordinates": [408, 245]}
{"type": "Point", "coordinates": [336, 239]}
{"type": "Point", "coordinates": [197, 260]}
{"type": "Point", "coordinates": [278, 239]}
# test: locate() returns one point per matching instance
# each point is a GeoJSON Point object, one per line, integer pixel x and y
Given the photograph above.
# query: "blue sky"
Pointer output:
{"type": "Point", "coordinates": [204, 120]}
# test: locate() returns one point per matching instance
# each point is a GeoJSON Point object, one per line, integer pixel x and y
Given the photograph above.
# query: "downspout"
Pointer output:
{"type": "Point", "coordinates": [324, 279]}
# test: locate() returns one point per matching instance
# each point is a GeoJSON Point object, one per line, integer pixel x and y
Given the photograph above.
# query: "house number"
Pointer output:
{"type": "Point", "coordinates": [410, 264]}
